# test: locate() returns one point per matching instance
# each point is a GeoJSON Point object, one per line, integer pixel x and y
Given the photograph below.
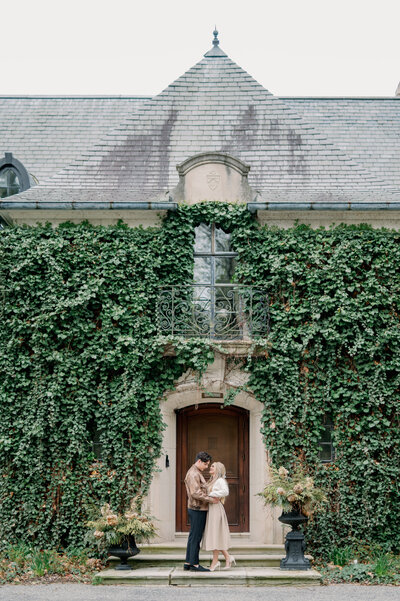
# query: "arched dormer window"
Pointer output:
{"type": "Point", "coordinates": [14, 178]}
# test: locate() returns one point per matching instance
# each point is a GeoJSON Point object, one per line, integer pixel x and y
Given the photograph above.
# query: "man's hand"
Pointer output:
{"type": "Point", "coordinates": [214, 500]}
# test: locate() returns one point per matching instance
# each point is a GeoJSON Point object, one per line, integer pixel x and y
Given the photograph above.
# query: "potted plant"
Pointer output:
{"type": "Point", "coordinates": [118, 533]}
{"type": "Point", "coordinates": [299, 498]}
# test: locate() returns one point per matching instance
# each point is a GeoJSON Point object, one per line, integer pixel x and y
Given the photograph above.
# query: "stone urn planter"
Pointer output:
{"type": "Point", "coordinates": [295, 492]}
{"type": "Point", "coordinates": [294, 544]}
{"type": "Point", "coordinates": [123, 551]}
{"type": "Point", "coordinates": [117, 533]}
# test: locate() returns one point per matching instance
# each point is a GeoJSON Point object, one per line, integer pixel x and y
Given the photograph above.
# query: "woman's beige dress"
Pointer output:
{"type": "Point", "coordinates": [216, 533]}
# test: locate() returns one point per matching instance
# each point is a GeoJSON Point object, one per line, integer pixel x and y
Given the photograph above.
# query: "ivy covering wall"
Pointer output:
{"type": "Point", "coordinates": [81, 360]}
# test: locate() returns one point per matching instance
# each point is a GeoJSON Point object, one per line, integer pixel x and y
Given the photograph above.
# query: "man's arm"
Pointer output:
{"type": "Point", "coordinates": [196, 489]}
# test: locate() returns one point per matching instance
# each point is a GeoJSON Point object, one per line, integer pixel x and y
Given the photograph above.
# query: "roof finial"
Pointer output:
{"type": "Point", "coordinates": [215, 50]}
{"type": "Point", "coordinates": [215, 40]}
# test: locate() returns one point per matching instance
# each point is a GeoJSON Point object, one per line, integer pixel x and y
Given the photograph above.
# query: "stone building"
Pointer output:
{"type": "Point", "coordinates": [214, 134]}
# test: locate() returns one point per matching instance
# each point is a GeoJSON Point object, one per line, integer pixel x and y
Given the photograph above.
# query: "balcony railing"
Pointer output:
{"type": "Point", "coordinates": [221, 312]}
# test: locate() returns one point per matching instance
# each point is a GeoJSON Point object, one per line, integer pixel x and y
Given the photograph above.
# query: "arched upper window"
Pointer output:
{"type": "Point", "coordinates": [14, 178]}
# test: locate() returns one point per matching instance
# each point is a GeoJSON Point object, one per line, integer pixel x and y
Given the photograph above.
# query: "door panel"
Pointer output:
{"type": "Point", "coordinates": [224, 434]}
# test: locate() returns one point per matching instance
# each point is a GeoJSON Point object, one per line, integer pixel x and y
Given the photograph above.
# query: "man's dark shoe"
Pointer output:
{"type": "Point", "coordinates": [186, 566]}
{"type": "Point", "coordinates": [198, 569]}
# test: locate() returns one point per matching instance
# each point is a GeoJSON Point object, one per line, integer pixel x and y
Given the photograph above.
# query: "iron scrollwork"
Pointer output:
{"type": "Point", "coordinates": [221, 312]}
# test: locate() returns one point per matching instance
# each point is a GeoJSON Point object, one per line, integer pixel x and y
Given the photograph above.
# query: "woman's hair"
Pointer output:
{"type": "Point", "coordinates": [220, 472]}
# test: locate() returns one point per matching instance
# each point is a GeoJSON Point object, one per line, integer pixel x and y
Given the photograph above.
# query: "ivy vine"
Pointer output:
{"type": "Point", "coordinates": [81, 360]}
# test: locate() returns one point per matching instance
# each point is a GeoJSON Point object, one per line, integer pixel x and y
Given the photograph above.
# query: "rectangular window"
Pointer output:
{"type": "Point", "coordinates": [326, 448]}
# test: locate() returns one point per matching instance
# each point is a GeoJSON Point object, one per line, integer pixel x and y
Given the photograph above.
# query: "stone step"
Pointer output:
{"type": "Point", "coordinates": [177, 559]}
{"type": "Point", "coordinates": [238, 576]}
{"type": "Point", "coordinates": [237, 548]}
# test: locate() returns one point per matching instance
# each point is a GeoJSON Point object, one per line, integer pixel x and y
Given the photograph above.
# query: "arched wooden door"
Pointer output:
{"type": "Point", "coordinates": [224, 433]}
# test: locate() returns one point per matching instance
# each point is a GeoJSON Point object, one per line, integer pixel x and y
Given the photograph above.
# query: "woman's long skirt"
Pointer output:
{"type": "Point", "coordinates": [216, 533]}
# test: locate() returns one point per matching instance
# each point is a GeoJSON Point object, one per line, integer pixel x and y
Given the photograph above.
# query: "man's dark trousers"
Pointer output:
{"type": "Point", "coordinates": [197, 521]}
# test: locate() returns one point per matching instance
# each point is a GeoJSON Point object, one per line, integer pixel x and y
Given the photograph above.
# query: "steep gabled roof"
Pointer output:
{"type": "Point", "coordinates": [217, 106]}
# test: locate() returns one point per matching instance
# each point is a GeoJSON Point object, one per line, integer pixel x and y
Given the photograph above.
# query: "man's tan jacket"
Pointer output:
{"type": "Point", "coordinates": [196, 489]}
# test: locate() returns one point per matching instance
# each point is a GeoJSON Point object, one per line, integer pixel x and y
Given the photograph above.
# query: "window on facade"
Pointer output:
{"type": "Point", "coordinates": [216, 298]}
{"type": "Point", "coordinates": [97, 446]}
{"type": "Point", "coordinates": [326, 448]}
{"type": "Point", "coordinates": [213, 306]}
{"type": "Point", "coordinates": [9, 182]}
{"type": "Point", "coordinates": [214, 260]}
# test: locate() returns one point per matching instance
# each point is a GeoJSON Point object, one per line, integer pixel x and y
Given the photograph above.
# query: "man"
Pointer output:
{"type": "Point", "coordinates": [198, 501]}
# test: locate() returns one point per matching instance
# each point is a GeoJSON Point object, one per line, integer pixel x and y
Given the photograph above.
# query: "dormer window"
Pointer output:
{"type": "Point", "coordinates": [9, 182]}
{"type": "Point", "coordinates": [14, 178]}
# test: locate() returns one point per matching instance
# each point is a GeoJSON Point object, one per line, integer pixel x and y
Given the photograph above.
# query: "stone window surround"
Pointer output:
{"type": "Point", "coordinates": [160, 502]}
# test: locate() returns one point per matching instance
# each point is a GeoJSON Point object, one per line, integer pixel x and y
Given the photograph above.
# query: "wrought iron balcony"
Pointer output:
{"type": "Point", "coordinates": [220, 312]}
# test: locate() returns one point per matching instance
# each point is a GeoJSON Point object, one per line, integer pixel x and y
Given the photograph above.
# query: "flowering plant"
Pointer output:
{"type": "Point", "coordinates": [110, 528]}
{"type": "Point", "coordinates": [294, 491]}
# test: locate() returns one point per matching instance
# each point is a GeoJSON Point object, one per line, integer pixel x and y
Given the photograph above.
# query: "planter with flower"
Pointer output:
{"type": "Point", "coordinates": [118, 533]}
{"type": "Point", "coordinates": [299, 498]}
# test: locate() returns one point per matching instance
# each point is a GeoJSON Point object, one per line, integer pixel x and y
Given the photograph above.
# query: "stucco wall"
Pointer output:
{"type": "Point", "coordinates": [284, 219]}
{"type": "Point", "coordinates": [106, 217]}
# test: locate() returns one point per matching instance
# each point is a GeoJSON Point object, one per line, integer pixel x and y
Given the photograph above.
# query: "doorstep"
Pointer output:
{"type": "Point", "coordinates": [238, 576]}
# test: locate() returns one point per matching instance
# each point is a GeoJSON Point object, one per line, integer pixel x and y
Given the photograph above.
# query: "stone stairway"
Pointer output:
{"type": "Point", "coordinates": [256, 565]}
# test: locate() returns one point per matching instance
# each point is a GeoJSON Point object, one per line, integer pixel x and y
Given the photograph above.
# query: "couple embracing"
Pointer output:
{"type": "Point", "coordinates": [207, 515]}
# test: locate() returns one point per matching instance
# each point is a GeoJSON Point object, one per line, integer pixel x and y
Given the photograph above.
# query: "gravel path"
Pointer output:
{"type": "Point", "coordinates": [79, 592]}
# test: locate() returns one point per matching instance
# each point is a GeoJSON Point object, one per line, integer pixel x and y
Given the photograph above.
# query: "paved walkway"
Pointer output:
{"type": "Point", "coordinates": [79, 592]}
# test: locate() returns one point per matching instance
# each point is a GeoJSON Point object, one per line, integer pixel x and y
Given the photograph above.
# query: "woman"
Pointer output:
{"type": "Point", "coordinates": [216, 536]}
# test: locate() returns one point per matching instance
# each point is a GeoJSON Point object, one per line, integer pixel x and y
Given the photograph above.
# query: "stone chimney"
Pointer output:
{"type": "Point", "coordinates": [397, 93]}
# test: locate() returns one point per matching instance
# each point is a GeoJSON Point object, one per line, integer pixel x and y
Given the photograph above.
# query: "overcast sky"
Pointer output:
{"type": "Point", "coordinates": [131, 47]}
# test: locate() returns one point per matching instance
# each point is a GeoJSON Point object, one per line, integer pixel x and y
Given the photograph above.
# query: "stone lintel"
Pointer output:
{"type": "Point", "coordinates": [237, 348]}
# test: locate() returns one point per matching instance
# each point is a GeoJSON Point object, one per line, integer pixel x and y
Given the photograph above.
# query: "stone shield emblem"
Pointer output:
{"type": "Point", "coordinates": [213, 180]}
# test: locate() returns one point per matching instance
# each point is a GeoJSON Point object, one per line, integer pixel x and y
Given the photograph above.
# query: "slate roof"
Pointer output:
{"type": "Point", "coordinates": [46, 133]}
{"type": "Point", "coordinates": [366, 129]}
{"type": "Point", "coordinates": [298, 148]}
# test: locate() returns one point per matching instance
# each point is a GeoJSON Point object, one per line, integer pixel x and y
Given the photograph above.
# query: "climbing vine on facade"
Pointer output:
{"type": "Point", "coordinates": [81, 361]}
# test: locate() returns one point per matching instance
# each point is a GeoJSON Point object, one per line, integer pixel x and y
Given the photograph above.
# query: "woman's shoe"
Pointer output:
{"type": "Point", "coordinates": [232, 562]}
{"type": "Point", "coordinates": [216, 567]}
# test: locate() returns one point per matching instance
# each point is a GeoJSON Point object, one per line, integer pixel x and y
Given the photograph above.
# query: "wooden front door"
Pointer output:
{"type": "Point", "coordinates": [224, 434]}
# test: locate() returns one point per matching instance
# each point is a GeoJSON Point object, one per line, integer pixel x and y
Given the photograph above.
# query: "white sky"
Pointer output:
{"type": "Point", "coordinates": [138, 47]}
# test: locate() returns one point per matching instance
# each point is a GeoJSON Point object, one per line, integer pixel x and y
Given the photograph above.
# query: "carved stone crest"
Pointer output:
{"type": "Point", "coordinates": [213, 180]}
